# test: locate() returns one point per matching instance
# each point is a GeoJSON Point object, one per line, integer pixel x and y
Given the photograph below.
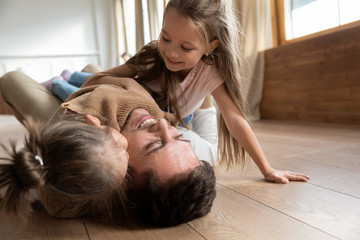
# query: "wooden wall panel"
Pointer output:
{"type": "Point", "coordinates": [316, 79]}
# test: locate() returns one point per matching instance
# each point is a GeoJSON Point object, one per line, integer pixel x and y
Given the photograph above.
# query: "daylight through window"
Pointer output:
{"type": "Point", "coordinates": [304, 17]}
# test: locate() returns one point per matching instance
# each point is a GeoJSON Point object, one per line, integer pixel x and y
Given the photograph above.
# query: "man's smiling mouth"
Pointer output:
{"type": "Point", "coordinates": [147, 121]}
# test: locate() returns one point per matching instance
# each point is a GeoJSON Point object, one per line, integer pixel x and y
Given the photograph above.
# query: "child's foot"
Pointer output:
{"type": "Point", "coordinates": [48, 83]}
{"type": "Point", "coordinates": [66, 74]}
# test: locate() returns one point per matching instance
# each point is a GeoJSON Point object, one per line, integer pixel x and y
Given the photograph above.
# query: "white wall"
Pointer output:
{"type": "Point", "coordinates": [44, 37]}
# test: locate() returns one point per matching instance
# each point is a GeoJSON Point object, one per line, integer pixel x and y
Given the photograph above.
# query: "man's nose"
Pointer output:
{"type": "Point", "coordinates": [163, 130]}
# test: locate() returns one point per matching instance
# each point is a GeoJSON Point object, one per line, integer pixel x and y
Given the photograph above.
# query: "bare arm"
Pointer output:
{"type": "Point", "coordinates": [244, 135]}
{"type": "Point", "coordinates": [121, 76]}
{"type": "Point", "coordinates": [110, 76]}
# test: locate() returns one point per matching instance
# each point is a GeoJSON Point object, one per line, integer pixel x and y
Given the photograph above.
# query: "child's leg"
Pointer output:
{"type": "Point", "coordinates": [66, 74]}
{"type": "Point", "coordinates": [27, 97]}
{"type": "Point", "coordinates": [78, 78]}
{"type": "Point", "coordinates": [63, 89]}
{"type": "Point", "coordinates": [49, 82]}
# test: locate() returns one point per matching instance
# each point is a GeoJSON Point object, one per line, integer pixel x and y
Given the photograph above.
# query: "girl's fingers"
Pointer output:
{"type": "Point", "coordinates": [297, 177]}
{"type": "Point", "coordinates": [286, 176]}
{"type": "Point", "coordinates": [284, 180]}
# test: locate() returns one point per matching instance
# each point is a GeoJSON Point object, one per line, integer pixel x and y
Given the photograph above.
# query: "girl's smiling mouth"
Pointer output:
{"type": "Point", "coordinates": [171, 61]}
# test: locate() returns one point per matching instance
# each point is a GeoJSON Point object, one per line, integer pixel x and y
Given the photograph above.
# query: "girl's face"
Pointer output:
{"type": "Point", "coordinates": [120, 140]}
{"type": "Point", "coordinates": [117, 136]}
{"type": "Point", "coordinates": [180, 44]}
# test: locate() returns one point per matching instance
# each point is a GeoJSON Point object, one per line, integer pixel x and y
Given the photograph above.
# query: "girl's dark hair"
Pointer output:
{"type": "Point", "coordinates": [65, 160]}
{"type": "Point", "coordinates": [185, 197]}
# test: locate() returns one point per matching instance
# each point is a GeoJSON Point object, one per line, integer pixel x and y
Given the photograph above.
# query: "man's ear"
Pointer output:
{"type": "Point", "coordinates": [92, 120]}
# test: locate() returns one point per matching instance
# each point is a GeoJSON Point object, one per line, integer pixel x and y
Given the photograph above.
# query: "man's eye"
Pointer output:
{"type": "Point", "coordinates": [153, 144]}
{"type": "Point", "coordinates": [178, 136]}
{"type": "Point", "coordinates": [181, 138]}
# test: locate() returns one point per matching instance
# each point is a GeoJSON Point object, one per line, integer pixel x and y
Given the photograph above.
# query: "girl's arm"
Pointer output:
{"type": "Point", "coordinates": [121, 76]}
{"type": "Point", "coordinates": [110, 75]}
{"type": "Point", "coordinates": [122, 70]}
{"type": "Point", "coordinates": [241, 131]}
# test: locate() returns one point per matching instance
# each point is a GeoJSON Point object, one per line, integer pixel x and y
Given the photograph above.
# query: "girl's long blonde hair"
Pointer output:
{"type": "Point", "coordinates": [215, 20]}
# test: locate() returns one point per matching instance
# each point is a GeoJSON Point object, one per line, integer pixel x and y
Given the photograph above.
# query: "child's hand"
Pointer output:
{"type": "Point", "coordinates": [285, 176]}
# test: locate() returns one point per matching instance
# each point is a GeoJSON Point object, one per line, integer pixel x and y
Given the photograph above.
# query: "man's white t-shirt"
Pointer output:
{"type": "Point", "coordinates": [203, 134]}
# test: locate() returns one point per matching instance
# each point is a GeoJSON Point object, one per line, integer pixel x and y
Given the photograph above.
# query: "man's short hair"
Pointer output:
{"type": "Point", "coordinates": [185, 197]}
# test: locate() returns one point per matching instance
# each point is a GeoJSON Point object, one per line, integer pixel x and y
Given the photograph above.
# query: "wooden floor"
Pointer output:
{"type": "Point", "coordinates": [246, 207]}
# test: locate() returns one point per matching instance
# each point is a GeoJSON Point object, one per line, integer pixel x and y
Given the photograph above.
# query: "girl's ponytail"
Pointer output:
{"type": "Point", "coordinates": [21, 173]}
{"type": "Point", "coordinates": [75, 168]}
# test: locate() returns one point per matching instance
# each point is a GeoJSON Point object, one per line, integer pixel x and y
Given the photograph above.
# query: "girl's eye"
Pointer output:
{"type": "Point", "coordinates": [185, 49]}
{"type": "Point", "coordinates": [165, 39]}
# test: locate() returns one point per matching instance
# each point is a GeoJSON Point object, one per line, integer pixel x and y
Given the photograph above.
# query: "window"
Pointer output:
{"type": "Point", "coordinates": [138, 23]}
{"type": "Point", "coordinates": [146, 22]}
{"type": "Point", "coordinates": [129, 25]}
{"type": "Point", "coordinates": [299, 18]}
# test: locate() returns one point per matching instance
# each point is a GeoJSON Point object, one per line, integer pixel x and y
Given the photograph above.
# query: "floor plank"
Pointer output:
{"type": "Point", "coordinates": [329, 153]}
{"type": "Point", "coordinates": [326, 210]}
{"type": "Point", "coordinates": [336, 179]}
{"type": "Point", "coordinates": [236, 216]}
{"type": "Point", "coordinates": [41, 226]}
{"type": "Point", "coordinates": [135, 230]}
{"type": "Point", "coordinates": [334, 169]}
{"type": "Point", "coordinates": [335, 152]}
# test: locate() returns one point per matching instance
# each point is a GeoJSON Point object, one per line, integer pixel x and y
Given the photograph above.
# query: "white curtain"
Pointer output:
{"type": "Point", "coordinates": [155, 19]}
{"type": "Point", "coordinates": [138, 22]}
{"type": "Point", "coordinates": [255, 18]}
{"type": "Point", "coordinates": [121, 45]}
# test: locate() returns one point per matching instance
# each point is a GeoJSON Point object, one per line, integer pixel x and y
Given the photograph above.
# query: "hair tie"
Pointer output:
{"type": "Point", "coordinates": [37, 157]}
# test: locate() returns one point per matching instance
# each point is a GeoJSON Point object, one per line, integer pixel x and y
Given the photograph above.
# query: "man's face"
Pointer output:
{"type": "Point", "coordinates": [153, 144]}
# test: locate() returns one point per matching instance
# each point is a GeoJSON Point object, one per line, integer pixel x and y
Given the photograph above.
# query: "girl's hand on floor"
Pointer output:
{"type": "Point", "coordinates": [279, 176]}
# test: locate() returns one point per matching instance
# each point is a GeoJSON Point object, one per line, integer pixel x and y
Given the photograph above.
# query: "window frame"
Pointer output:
{"type": "Point", "coordinates": [278, 26]}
